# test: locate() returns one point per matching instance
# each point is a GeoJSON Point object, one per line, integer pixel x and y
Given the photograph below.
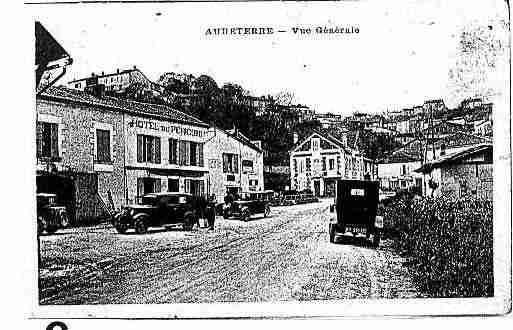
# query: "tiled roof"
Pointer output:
{"type": "Point", "coordinates": [413, 150]}
{"type": "Point", "coordinates": [455, 157]}
{"type": "Point", "coordinates": [123, 105]}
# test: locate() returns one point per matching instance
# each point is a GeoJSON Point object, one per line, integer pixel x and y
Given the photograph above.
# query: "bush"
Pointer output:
{"type": "Point", "coordinates": [449, 240]}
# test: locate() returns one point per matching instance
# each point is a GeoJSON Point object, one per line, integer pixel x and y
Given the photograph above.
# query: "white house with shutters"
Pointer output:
{"type": "Point", "coordinates": [319, 160]}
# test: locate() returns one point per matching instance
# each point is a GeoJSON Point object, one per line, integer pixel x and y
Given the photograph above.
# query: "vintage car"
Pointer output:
{"type": "Point", "coordinates": [50, 215]}
{"type": "Point", "coordinates": [160, 210]}
{"type": "Point", "coordinates": [355, 208]}
{"type": "Point", "coordinates": [249, 203]}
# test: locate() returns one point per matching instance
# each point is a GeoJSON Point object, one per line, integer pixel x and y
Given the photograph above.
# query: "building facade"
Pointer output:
{"type": "Point", "coordinates": [234, 164]}
{"type": "Point", "coordinates": [98, 153]}
{"type": "Point", "coordinates": [467, 171]}
{"type": "Point", "coordinates": [318, 161]}
{"type": "Point", "coordinates": [164, 155]}
{"type": "Point", "coordinates": [80, 153]}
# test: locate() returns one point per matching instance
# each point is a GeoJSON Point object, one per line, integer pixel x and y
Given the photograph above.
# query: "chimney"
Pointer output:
{"type": "Point", "coordinates": [92, 74]}
{"type": "Point", "coordinates": [117, 70]}
{"type": "Point", "coordinates": [295, 137]}
{"type": "Point", "coordinates": [135, 67]}
{"type": "Point", "coordinates": [103, 73]}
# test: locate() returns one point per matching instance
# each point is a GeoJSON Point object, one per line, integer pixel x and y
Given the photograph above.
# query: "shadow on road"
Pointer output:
{"type": "Point", "coordinates": [361, 241]}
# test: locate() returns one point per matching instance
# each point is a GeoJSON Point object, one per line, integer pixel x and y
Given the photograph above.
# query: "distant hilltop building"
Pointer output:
{"type": "Point", "coordinates": [329, 119]}
{"type": "Point", "coordinates": [114, 83]}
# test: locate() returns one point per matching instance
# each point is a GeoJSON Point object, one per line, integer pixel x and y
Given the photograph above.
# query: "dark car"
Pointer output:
{"type": "Point", "coordinates": [249, 203]}
{"type": "Point", "coordinates": [356, 204]}
{"type": "Point", "coordinates": [50, 215]}
{"type": "Point", "coordinates": [160, 210]}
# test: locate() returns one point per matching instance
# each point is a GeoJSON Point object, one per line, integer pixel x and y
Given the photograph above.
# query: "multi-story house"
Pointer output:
{"type": "Point", "coordinates": [319, 160]}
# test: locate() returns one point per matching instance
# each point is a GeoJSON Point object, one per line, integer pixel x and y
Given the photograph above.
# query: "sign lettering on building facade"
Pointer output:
{"type": "Point", "coordinates": [180, 130]}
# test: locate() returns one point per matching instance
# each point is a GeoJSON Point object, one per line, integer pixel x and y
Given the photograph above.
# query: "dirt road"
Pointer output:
{"type": "Point", "coordinates": [280, 258]}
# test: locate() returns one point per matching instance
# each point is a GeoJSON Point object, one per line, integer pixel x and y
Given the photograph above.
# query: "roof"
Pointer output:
{"type": "Point", "coordinates": [413, 150]}
{"type": "Point", "coordinates": [237, 135]}
{"type": "Point", "coordinates": [159, 111]}
{"type": "Point", "coordinates": [105, 75]}
{"type": "Point", "coordinates": [455, 157]}
{"type": "Point", "coordinates": [410, 152]}
{"type": "Point", "coordinates": [329, 137]}
{"type": "Point", "coordinates": [47, 48]}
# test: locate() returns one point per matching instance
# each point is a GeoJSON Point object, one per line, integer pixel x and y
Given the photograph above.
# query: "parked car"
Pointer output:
{"type": "Point", "coordinates": [250, 203]}
{"type": "Point", "coordinates": [50, 215]}
{"type": "Point", "coordinates": [355, 209]}
{"type": "Point", "coordinates": [160, 210]}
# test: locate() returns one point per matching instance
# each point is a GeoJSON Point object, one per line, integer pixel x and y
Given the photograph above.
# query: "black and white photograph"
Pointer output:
{"type": "Point", "coordinates": [269, 159]}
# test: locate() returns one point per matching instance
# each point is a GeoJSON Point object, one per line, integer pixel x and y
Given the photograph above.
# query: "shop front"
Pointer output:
{"type": "Point", "coordinates": [164, 155]}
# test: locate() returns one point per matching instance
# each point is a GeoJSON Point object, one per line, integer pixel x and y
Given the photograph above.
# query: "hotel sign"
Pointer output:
{"type": "Point", "coordinates": [167, 128]}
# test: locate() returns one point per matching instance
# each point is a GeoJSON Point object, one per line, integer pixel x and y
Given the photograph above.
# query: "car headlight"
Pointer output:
{"type": "Point", "coordinates": [131, 213]}
{"type": "Point", "coordinates": [378, 223]}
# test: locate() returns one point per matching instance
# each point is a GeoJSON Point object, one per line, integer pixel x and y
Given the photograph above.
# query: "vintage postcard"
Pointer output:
{"type": "Point", "coordinates": [270, 159]}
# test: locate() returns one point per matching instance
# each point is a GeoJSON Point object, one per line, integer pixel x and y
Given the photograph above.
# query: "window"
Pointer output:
{"type": "Point", "coordinates": [247, 166]}
{"type": "Point", "coordinates": [190, 153]}
{"type": "Point", "coordinates": [308, 164]}
{"type": "Point", "coordinates": [315, 144]}
{"type": "Point", "coordinates": [148, 149]}
{"type": "Point", "coordinates": [230, 163]}
{"type": "Point", "coordinates": [173, 151]}
{"type": "Point", "coordinates": [403, 170]}
{"type": "Point", "coordinates": [103, 146]}
{"type": "Point", "coordinates": [194, 187]}
{"type": "Point", "coordinates": [47, 140]}
{"type": "Point", "coordinates": [172, 185]}
{"type": "Point", "coordinates": [147, 185]}
{"type": "Point", "coordinates": [253, 182]}
{"type": "Point", "coordinates": [442, 149]}
{"type": "Point", "coordinates": [332, 164]}
{"type": "Point", "coordinates": [323, 163]}
{"type": "Point", "coordinates": [301, 165]}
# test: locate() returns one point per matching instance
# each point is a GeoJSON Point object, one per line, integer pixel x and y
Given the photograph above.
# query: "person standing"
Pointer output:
{"type": "Point", "coordinates": [210, 212]}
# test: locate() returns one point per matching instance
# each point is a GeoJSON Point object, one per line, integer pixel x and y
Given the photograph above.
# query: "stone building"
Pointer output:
{"type": "Point", "coordinates": [100, 152]}
{"type": "Point", "coordinates": [79, 152]}
{"type": "Point", "coordinates": [234, 163]}
{"type": "Point", "coordinates": [467, 171]}
{"type": "Point", "coordinates": [319, 160]}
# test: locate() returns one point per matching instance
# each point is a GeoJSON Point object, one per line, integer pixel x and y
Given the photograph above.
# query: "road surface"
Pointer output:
{"type": "Point", "coordinates": [284, 257]}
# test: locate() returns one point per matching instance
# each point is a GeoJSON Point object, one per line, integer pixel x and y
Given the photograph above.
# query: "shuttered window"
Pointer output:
{"type": "Point", "coordinates": [148, 149]}
{"type": "Point", "coordinates": [190, 153]}
{"type": "Point", "coordinates": [230, 163]}
{"type": "Point", "coordinates": [103, 146]}
{"type": "Point", "coordinates": [173, 151]}
{"type": "Point", "coordinates": [47, 140]}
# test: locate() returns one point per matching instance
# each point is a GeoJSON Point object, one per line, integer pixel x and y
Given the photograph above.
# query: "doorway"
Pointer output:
{"type": "Point", "coordinates": [317, 188]}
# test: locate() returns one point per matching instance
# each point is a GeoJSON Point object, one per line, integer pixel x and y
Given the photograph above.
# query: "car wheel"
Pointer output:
{"type": "Point", "coordinates": [376, 239]}
{"type": "Point", "coordinates": [141, 225]}
{"type": "Point", "coordinates": [267, 211]}
{"type": "Point", "coordinates": [121, 227]}
{"type": "Point", "coordinates": [245, 215]}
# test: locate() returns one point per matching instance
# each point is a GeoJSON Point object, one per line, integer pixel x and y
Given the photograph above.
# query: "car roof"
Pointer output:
{"type": "Point", "coordinates": [46, 195]}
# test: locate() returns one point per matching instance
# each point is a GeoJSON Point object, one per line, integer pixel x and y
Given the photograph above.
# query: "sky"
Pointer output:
{"type": "Point", "coordinates": [401, 56]}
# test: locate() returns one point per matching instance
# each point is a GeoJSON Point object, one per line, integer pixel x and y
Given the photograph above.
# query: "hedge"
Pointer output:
{"type": "Point", "coordinates": [449, 241]}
